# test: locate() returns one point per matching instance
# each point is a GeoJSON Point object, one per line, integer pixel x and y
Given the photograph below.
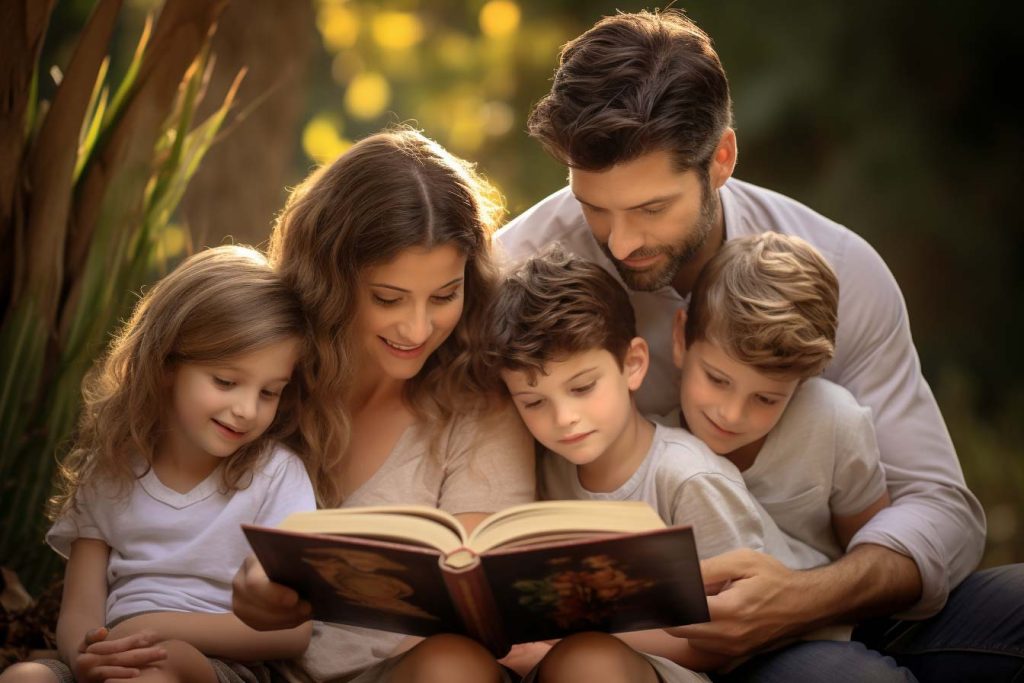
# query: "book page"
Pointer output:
{"type": "Point", "coordinates": [416, 524]}
{"type": "Point", "coordinates": [559, 519]}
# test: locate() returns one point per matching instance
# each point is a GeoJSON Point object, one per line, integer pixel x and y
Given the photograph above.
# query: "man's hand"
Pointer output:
{"type": "Point", "coordinates": [759, 602]}
{"type": "Point", "coordinates": [263, 604]}
{"type": "Point", "coordinates": [100, 659]}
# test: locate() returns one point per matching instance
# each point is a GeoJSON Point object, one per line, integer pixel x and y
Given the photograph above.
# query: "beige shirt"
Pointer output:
{"type": "Point", "coordinates": [484, 465]}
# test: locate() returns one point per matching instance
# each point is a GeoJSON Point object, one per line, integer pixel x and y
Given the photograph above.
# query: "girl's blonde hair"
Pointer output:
{"type": "Point", "coordinates": [214, 306]}
{"type": "Point", "coordinates": [389, 192]}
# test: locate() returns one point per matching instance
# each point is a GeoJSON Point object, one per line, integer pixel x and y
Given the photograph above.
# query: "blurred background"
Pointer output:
{"type": "Point", "coordinates": [897, 120]}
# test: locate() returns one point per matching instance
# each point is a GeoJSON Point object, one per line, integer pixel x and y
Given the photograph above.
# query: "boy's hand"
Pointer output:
{"type": "Point", "coordinates": [523, 657]}
{"type": "Point", "coordinates": [263, 604]}
{"type": "Point", "coordinates": [100, 659]}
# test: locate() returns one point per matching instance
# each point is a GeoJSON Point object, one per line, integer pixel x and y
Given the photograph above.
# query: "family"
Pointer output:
{"type": "Point", "coordinates": [657, 330]}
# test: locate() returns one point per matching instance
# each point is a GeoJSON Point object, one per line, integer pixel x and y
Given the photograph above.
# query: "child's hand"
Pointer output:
{"type": "Point", "coordinates": [263, 604]}
{"type": "Point", "coordinates": [100, 659]}
{"type": "Point", "coordinates": [523, 657]}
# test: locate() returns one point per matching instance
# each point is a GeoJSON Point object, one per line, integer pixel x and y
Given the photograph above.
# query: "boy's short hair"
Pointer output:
{"type": "Point", "coordinates": [553, 305]}
{"type": "Point", "coordinates": [769, 301]}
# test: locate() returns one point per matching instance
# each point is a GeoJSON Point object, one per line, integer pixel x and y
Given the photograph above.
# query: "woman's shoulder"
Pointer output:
{"type": "Point", "coordinates": [495, 418]}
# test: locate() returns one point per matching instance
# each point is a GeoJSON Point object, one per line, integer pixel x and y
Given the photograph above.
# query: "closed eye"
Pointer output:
{"type": "Point", "coordinates": [383, 301]}
{"type": "Point", "coordinates": [767, 400]}
{"type": "Point", "coordinates": [717, 381]}
{"type": "Point", "coordinates": [532, 404]}
{"type": "Point", "coordinates": [223, 383]}
{"type": "Point", "coordinates": [586, 389]}
{"type": "Point", "coordinates": [446, 298]}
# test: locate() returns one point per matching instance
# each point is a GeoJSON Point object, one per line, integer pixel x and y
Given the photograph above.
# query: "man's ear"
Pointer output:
{"type": "Point", "coordinates": [723, 161]}
{"type": "Point", "coordinates": [679, 337]}
{"type": "Point", "coordinates": [635, 364]}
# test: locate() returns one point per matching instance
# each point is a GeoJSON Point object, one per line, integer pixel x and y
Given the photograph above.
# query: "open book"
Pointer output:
{"type": "Point", "coordinates": [531, 572]}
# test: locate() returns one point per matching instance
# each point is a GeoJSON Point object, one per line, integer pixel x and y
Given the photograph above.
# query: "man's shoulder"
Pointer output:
{"type": "Point", "coordinates": [751, 209]}
{"type": "Point", "coordinates": [556, 218]}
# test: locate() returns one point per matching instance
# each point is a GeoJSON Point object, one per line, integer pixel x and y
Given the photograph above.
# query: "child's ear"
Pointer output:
{"type": "Point", "coordinates": [637, 359]}
{"type": "Point", "coordinates": [679, 338]}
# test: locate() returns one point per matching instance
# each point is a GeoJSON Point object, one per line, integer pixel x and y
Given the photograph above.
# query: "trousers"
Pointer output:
{"type": "Point", "coordinates": [977, 636]}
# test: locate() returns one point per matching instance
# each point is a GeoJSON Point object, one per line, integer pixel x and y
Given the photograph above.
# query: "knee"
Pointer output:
{"type": "Point", "coordinates": [448, 658]}
{"type": "Point", "coordinates": [587, 657]}
{"type": "Point", "coordinates": [28, 672]}
{"type": "Point", "coordinates": [874, 667]}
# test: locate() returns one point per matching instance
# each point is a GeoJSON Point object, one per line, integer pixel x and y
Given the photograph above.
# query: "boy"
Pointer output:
{"type": "Point", "coordinates": [761, 327]}
{"type": "Point", "coordinates": [562, 336]}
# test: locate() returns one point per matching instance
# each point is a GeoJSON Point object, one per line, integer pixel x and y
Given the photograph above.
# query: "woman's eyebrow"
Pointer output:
{"type": "Point", "coordinates": [406, 291]}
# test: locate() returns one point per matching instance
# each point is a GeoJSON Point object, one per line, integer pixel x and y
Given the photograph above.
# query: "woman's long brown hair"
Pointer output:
{"type": "Point", "coordinates": [389, 192]}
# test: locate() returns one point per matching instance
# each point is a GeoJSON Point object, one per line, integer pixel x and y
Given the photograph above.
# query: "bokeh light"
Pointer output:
{"type": "Point", "coordinates": [367, 95]}
{"type": "Point", "coordinates": [322, 139]}
{"type": "Point", "coordinates": [397, 30]}
{"type": "Point", "coordinates": [499, 18]}
{"type": "Point", "coordinates": [338, 25]}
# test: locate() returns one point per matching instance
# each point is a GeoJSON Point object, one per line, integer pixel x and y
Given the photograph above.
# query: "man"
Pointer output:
{"type": "Point", "coordinates": [641, 114]}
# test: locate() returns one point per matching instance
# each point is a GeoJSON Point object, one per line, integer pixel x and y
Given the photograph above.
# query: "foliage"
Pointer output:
{"type": "Point", "coordinates": [98, 178]}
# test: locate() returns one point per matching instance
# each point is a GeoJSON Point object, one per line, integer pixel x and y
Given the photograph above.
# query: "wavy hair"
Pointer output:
{"type": "Point", "coordinates": [216, 305]}
{"type": "Point", "coordinates": [554, 305]}
{"type": "Point", "coordinates": [770, 301]}
{"type": "Point", "coordinates": [635, 83]}
{"type": "Point", "coordinates": [389, 192]}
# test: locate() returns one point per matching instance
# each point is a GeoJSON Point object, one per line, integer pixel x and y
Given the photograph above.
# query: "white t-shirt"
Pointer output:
{"type": "Point", "coordinates": [820, 459]}
{"type": "Point", "coordinates": [687, 484]}
{"type": "Point", "coordinates": [178, 552]}
{"type": "Point", "coordinates": [934, 518]}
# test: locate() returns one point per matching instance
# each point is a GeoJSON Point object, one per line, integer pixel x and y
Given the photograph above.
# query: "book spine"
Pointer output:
{"type": "Point", "coordinates": [474, 603]}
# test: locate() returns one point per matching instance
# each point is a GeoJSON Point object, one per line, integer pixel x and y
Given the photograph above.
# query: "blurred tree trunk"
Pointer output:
{"type": "Point", "coordinates": [22, 29]}
{"type": "Point", "coordinates": [241, 185]}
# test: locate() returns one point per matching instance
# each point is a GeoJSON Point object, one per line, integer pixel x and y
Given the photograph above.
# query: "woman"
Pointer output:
{"type": "Point", "coordinates": [388, 248]}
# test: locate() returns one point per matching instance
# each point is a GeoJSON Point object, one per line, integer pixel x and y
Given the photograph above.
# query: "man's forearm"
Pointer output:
{"type": "Point", "coordinates": [869, 581]}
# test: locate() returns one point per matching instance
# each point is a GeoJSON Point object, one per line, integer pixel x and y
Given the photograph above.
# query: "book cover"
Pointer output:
{"type": "Point", "coordinates": [508, 595]}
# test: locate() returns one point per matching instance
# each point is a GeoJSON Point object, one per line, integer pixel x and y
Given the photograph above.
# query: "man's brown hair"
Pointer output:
{"type": "Point", "coordinates": [769, 301]}
{"type": "Point", "coordinates": [635, 83]}
{"type": "Point", "coordinates": [554, 305]}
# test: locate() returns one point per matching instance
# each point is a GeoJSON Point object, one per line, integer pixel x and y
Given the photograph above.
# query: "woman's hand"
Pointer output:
{"type": "Point", "coordinates": [263, 604]}
{"type": "Point", "coordinates": [100, 659]}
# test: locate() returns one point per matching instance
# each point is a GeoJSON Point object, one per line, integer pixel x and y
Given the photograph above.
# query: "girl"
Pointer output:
{"type": "Point", "coordinates": [388, 248]}
{"type": "Point", "coordinates": [176, 448]}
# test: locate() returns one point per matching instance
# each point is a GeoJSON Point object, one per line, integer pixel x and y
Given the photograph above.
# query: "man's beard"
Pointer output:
{"type": "Point", "coordinates": [678, 254]}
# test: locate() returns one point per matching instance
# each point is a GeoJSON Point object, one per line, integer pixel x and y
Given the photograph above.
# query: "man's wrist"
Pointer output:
{"type": "Point", "coordinates": [869, 581]}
